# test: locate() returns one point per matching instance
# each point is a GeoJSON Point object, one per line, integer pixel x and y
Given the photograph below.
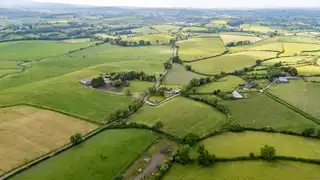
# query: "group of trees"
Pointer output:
{"type": "Point", "coordinates": [97, 82]}
{"type": "Point", "coordinates": [194, 83]}
{"type": "Point", "coordinates": [215, 102]}
{"type": "Point", "coordinates": [123, 113]}
{"type": "Point", "coordinates": [167, 65]}
{"type": "Point", "coordinates": [157, 92]}
{"type": "Point", "coordinates": [132, 75]}
{"type": "Point", "coordinates": [238, 43]}
{"type": "Point", "coordinates": [121, 42]}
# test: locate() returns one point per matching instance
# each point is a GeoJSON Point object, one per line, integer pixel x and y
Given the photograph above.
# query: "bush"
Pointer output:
{"type": "Point", "coordinates": [251, 155]}
{"type": "Point", "coordinates": [182, 155]}
{"type": "Point", "coordinates": [76, 138]}
{"type": "Point", "coordinates": [268, 153]}
{"type": "Point", "coordinates": [97, 82]}
{"type": "Point", "coordinates": [308, 132]}
{"type": "Point", "coordinates": [158, 125]}
{"type": "Point", "coordinates": [190, 139]}
{"type": "Point", "coordinates": [235, 127]}
{"type": "Point", "coordinates": [206, 159]}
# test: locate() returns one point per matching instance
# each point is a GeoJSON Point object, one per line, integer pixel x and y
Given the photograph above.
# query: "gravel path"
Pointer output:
{"type": "Point", "coordinates": [156, 159]}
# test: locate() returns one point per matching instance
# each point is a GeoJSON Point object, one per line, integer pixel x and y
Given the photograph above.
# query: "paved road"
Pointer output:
{"type": "Point", "coordinates": [151, 167]}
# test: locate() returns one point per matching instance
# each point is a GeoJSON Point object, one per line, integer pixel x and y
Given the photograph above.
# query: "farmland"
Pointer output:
{"type": "Point", "coordinates": [179, 75]}
{"type": "Point", "coordinates": [227, 38]}
{"type": "Point", "coordinates": [297, 48]}
{"type": "Point", "coordinates": [227, 83]}
{"type": "Point", "coordinates": [197, 117]}
{"type": "Point", "coordinates": [246, 170]}
{"type": "Point", "coordinates": [206, 47]}
{"type": "Point", "coordinates": [53, 131]}
{"type": "Point", "coordinates": [154, 38]}
{"type": "Point", "coordinates": [270, 44]}
{"type": "Point", "coordinates": [100, 158]}
{"type": "Point", "coordinates": [258, 28]}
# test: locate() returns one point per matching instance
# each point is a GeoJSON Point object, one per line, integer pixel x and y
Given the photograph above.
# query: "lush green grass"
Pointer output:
{"type": "Point", "coordinates": [8, 64]}
{"type": "Point", "coordinates": [31, 50]}
{"type": "Point", "coordinates": [227, 83]}
{"type": "Point", "coordinates": [162, 38]}
{"type": "Point", "coordinates": [260, 111]}
{"type": "Point", "coordinates": [156, 98]}
{"type": "Point", "coordinates": [258, 28]}
{"type": "Point", "coordinates": [302, 95]}
{"type": "Point", "coordinates": [266, 44]}
{"type": "Point", "coordinates": [179, 75]}
{"type": "Point", "coordinates": [197, 48]}
{"type": "Point", "coordinates": [309, 70]}
{"type": "Point", "coordinates": [314, 78]}
{"type": "Point", "coordinates": [7, 71]}
{"type": "Point", "coordinates": [181, 116]}
{"type": "Point", "coordinates": [297, 39]}
{"type": "Point", "coordinates": [194, 29]}
{"type": "Point", "coordinates": [227, 38]}
{"type": "Point", "coordinates": [258, 170]}
{"type": "Point", "coordinates": [101, 157]}
{"type": "Point", "coordinates": [140, 86]}
{"type": "Point", "coordinates": [291, 49]}
{"type": "Point", "coordinates": [232, 144]}
{"type": "Point", "coordinates": [143, 30]}
{"type": "Point", "coordinates": [229, 62]}
{"type": "Point", "coordinates": [285, 60]}
{"type": "Point", "coordinates": [166, 28]}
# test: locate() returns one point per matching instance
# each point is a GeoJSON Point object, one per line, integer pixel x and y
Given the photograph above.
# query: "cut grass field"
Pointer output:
{"type": "Point", "coordinates": [162, 38]}
{"type": "Point", "coordinates": [227, 38]}
{"type": "Point", "coordinates": [270, 44]}
{"type": "Point", "coordinates": [139, 86]}
{"type": "Point", "coordinates": [258, 28]}
{"type": "Point", "coordinates": [179, 75]}
{"type": "Point", "coordinates": [232, 144]}
{"type": "Point", "coordinates": [181, 116]}
{"type": "Point", "coordinates": [261, 111]}
{"type": "Point", "coordinates": [166, 28]}
{"type": "Point", "coordinates": [257, 170]}
{"type": "Point", "coordinates": [101, 157]}
{"type": "Point", "coordinates": [31, 50]}
{"type": "Point", "coordinates": [291, 49]}
{"type": "Point", "coordinates": [185, 29]}
{"type": "Point", "coordinates": [308, 70]}
{"type": "Point", "coordinates": [285, 60]}
{"type": "Point", "coordinates": [229, 62]}
{"type": "Point", "coordinates": [298, 39]}
{"type": "Point", "coordinates": [197, 48]}
{"type": "Point", "coordinates": [227, 83]}
{"type": "Point", "coordinates": [303, 95]}
{"type": "Point", "coordinates": [7, 64]}
{"type": "Point", "coordinates": [28, 133]}
{"type": "Point", "coordinates": [8, 71]}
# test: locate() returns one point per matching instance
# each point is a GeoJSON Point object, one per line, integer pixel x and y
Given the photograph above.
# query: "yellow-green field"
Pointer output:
{"type": "Point", "coordinates": [227, 83]}
{"type": "Point", "coordinates": [28, 132]}
{"type": "Point", "coordinates": [197, 48]}
{"type": "Point", "coordinates": [181, 116]}
{"type": "Point", "coordinates": [227, 38]}
{"type": "Point", "coordinates": [248, 170]}
{"type": "Point", "coordinates": [309, 70]}
{"type": "Point", "coordinates": [298, 39]}
{"type": "Point", "coordinates": [258, 28]}
{"type": "Point", "coordinates": [287, 60]}
{"type": "Point", "coordinates": [270, 44]}
{"type": "Point", "coordinates": [166, 28]}
{"type": "Point", "coordinates": [230, 62]}
{"type": "Point", "coordinates": [241, 144]}
{"type": "Point", "coordinates": [179, 75]}
{"type": "Point", "coordinates": [162, 38]}
{"type": "Point", "coordinates": [194, 29]}
{"type": "Point", "coordinates": [143, 30]}
{"type": "Point", "coordinates": [291, 49]}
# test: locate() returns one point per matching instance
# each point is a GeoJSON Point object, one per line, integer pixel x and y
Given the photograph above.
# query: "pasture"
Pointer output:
{"type": "Point", "coordinates": [303, 95]}
{"type": "Point", "coordinates": [260, 111]}
{"type": "Point", "coordinates": [258, 170]}
{"type": "Point", "coordinates": [144, 30]}
{"type": "Point", "coordinates": [181, 116]}
{"type": "Point", "coordinates": [194, 28]}
{"type": "Point", "coordinates": [298, 39]}
{"type": "Point", "coordinates": [232, 144]}
{"type": "Point", "coordinates": [164, 28]}
{"type": "Point", "coordinates": [270, 44]}
{"type": "Point", "coordinates": [101, 157]}
{"type": "Point", "coordinates": [308, 70]}
{"type": "Point", "coordinates": [32, 50]}
{"type": "Point", "coordinates": [28, 133]}
{"type": "Point", "coordinates": [258, 28]}
{"type": "Point", "coordinates": [197, 48]}
{"type": "Point", "coordinates": [229, 62]}
{"type": "Point", "coordinates": [287, 60]}
{"type": "Point", "coordinates": [153, 38]}
{"type": "Point", "coordinates": [228, 83]}
{"type": "Point", "coordinates": [291, 49]}
{"type": "Point", "coordinates": [139, 86]}
{"type": "Point", "coordinates": [227, 38]}
{"type": "Point", "coordinates": [179, 75]}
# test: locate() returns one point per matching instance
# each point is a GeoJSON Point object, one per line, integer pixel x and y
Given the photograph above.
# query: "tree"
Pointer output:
{"type": "Point", "coordinates": [206, 159]}
{"type": "Point", "coordinates": [148, 43]}
{"type": "Point", "coordinates": [141, 42]}
{"type": "Point", "coordinates": [190, 139]}
{"type": "Point", "coordinates": [182, 156]}
{"type": "Point", "coordinates": [97, 82]}
{"type": "Point", "coordinates": [158, 125]}
{"type": "Point", "coordinates": [117, 83]}
{"type": "Point", "coordinates": [157, 41]}
{"type": "Point", "coordinates": [188, 67]}
{"type": "Point", "coordinates": [76, 138]}
{"type": "Point", "coordinates": [268, 153]}
{"type": "Point", "coordinates": [167, 65]}
{"type": "Point", "coordinates": [200, 149]}
{"type": "Point", "coordinates": [308, 132]}
{"type": "Point", "coordinates": [251, 155]}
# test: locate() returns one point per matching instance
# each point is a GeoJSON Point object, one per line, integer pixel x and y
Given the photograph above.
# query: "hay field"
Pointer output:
{"type": "Point", "coordinates": [248, 170]}
{"type": "Point", "coordinates": [227, 38]}
{"type": "Point", "coordinates": [197, 48]}
{"type": "Point", "coordinates": [298, 39]}
{"type": "Point", "coordinates": [291, 49]}
{"type": "Point", "coordinates": [303, 95]}
{"type": "Point", "coordinates": [227, 83]}
{"type": "Point", "coordinates": [102, 157]}
{"type": "Point", "coordinates": [232, 144]}
{"type": "Point", "coordinates": [230, 62]}
{"type": "Point", "coordinates": [74, 41]}
{"type": "Point", "coordinates": [286, 60]}
{"type": "Point", "coordinates": [261, 111]}
{"type": "Point", "coordinates": [258, 28]}
{"type": "Point", "coordinates": [270, 44]}
{"type": "Point", "coordinates": [309, 70]}
{"type": "Point", "coordinates": [181, 116]}
{"type": "Point", "coordinates": [28, 132]}
{"type": "Point", "coordinates": [179, 75]}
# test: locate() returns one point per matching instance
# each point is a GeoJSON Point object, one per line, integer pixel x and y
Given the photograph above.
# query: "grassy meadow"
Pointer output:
{"type": "Point", "coordinates": [270, 44]}
{"type": "Point", "coordinates": [259, 111]}
{"type": "Point", "coordinates": [139, 86]}
{"type": "Point", "coordinates": [181, 116]}
{"type": "Point", "coordinates": [185, 29]}
{"type": "Point", "coordinates": [229, 62]}
{"type": "Point", "coordinates": [227, 38]}
{"type": "Point", "coordinates": [28, 133]}
{"type": "Point", "coordinates": [197, 48]}
{"type": "Point", "coordinates": [291, 49]}
{"type": "Point", "coordinates": [258, 170]}
{"type": "Point", "coordinates": [227, 83]}
{"type": "Point", "coordinates": [101, 157]}
{"type": "Point", "coordinates": [179, 75]}
{"type": "Point", "coordinates": [232, 144]}
{"type": "Point", "coordinates": [258, 28]}
{"type": "Point", "coordinates": [298, 39]}
{"type": "Point", "coordinates": [309, 70]}
{"type": "Point", "coordinates": [164, 28]}
{"type": "Point", "coordinates": [286, 60]}
{"type": "Point", "coordinates": [303, 95]}
{"type": "Point", "coordinates": [153, 38]}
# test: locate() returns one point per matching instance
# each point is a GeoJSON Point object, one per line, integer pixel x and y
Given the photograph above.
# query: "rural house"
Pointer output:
{"type": "Point", "coordinates": [237, 95]}
{"type": "Point", "coordinates": [281, 80]}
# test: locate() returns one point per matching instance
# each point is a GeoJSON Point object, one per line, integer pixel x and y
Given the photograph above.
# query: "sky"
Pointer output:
{"type": "Point", "coordinates": [196, 3]}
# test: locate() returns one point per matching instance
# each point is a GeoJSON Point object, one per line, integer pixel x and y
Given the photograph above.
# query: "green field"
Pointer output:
{"type": "Point", "coordinates": [143, 30]}
{"type": "Point", "coordinates": [194, 29]}
{"type": "Point", "coordinates": [166, 28]}
{"type": "Point", "coordinates": [197, 48]}
{"type": "Point", "coordinates": [229, 62]}
{"type": "Point", "coordinates": [298, 39]}
{"type": "Point", "coordinates": [248, 170]}
{"type": "Point", "coordinates": [227, 83]}
{"type": "Point", "coordinates": [302, 95]}
{"type": "Point", "coordinates": [260, 111]}
{"type": "Point", "coordinates": [139, 86]}
{"type": "Point", "coordinates": [258, 28]}
{"type": "Point", "coordinates": [181, 116]}
{"type": "Point", "coordinates": [179, 75]}
{"type": "Point", "coordinates": [101, 157]}
{"type": "Point", "coordinates": [232, 144]}
{"type": "Point", "coordinates": [227, 38]}
{"type": "Point", "coordinates": [32, 50]}
{"type": "Point", "coordinates": [287, 60]}
{"type": "Point", "coordinates": [270, 44]}
{"type": "Point", "coordinates": [309, 70]}
{"type": "Point", "coordinates": [291, 49]}
{"type": "Point", "coordinates": [153, 38]}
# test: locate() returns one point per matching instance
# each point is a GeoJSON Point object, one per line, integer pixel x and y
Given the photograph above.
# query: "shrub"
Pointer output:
{"type": "Point", "coordinates": [206, 159]}
{"type": "Point", "coordinates": [158, 125]}
{"type": "Point", "coordinates": [268, 153]}
{"type": "Point", "coordinates": [97, 82]}
{"type": "Point", "coordinates": [251, 155]}
{"type": "Point", "coordinates": [308, 132]}
{"type": "Point", "coordinates": [190, 139]}
{"type": "Point", "coordinates": [76, 138]}
{"type": "Point", "coordinates": [182, 155]}
{"type": "Point", "coordinates": [235, 127]}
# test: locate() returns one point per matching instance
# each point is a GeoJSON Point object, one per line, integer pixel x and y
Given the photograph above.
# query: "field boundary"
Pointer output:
{"type": "Point", "coordinates": [307, 115]}
{"type": "Point", "coordinates": [209, 57]}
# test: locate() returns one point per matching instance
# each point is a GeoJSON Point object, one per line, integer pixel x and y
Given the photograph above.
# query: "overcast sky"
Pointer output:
{"type": "Point", "coordinates": [196, 3]}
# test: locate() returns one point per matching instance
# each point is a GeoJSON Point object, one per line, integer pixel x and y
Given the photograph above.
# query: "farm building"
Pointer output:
{"type": "Point", "coordinates": [86, 82]}
{"type": "Point", "coordinates": [246, 86]}
{"type": "Point", "coordinates": [172, 91]}
{"type": "Point", "coordinates": [281, 80]}
{"type": "Point", "coordinates": [237, 95]}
